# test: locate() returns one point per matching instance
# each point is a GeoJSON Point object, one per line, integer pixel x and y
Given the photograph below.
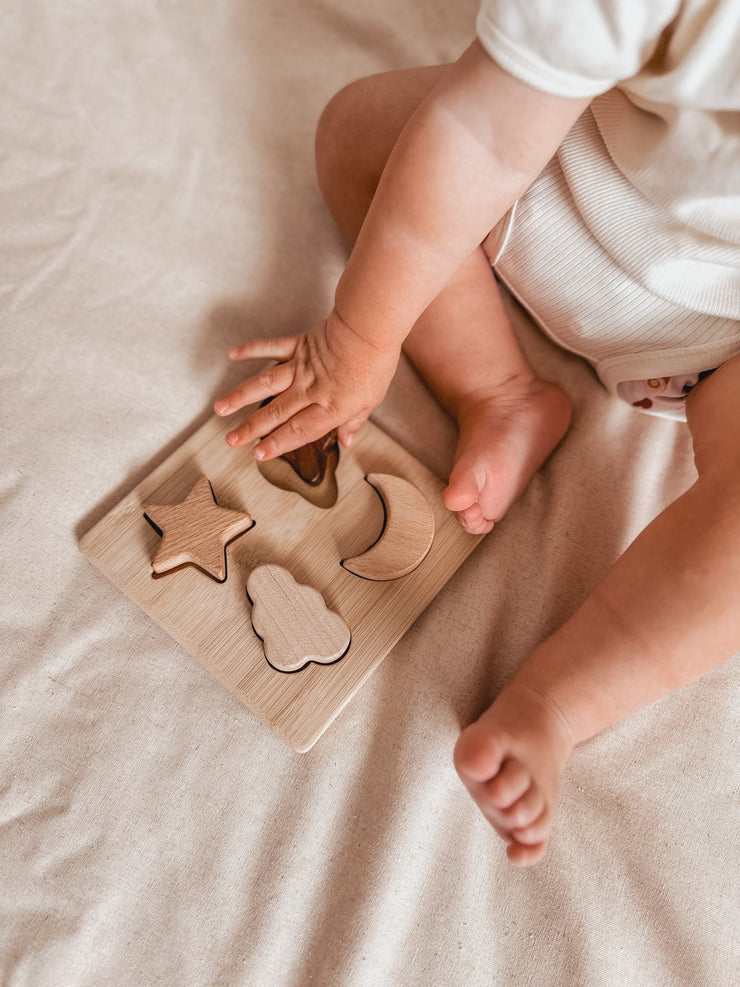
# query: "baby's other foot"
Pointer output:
{"type": "Point", "coordinates": [510, 760]}
{"type": "Point", "coordinates": [506, 434]}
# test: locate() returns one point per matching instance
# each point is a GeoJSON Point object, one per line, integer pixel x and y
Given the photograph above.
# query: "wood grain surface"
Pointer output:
{"type": "Point", "coordinates": [196, 531]}
{"type": "Point", "coordinates": [407, 535]}
{"type": "Point", "coordinates": [212, 620]}
{"type": "Point", "coordinates": [293, 621]}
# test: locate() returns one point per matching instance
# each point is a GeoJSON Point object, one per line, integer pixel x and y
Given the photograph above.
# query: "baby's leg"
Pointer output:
{"type": "Point", "coordinates": [463, 344]}
{"type": "Point", "coordinates": [509, 420]}
{"type": "Point", "coordinates": [664, 614]}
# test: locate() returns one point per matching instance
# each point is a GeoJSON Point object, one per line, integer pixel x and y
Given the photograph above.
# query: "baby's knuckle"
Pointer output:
{"type": "Point", "coordinates": [332, 406]}
{"type": "Point", "coordinates": [240, 394]}
{"type": "Point", "coordinates": [296, 429]}
{"type": "Point", "coordinates": [307, 380]}
{"type": "Point", "coordinates": [272, 414]}
{"type": "Point", "coordinates": [267, 378]}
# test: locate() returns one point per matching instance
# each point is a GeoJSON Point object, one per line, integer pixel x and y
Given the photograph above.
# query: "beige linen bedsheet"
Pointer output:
{"type": "Point", "coordinates": [157, 204]}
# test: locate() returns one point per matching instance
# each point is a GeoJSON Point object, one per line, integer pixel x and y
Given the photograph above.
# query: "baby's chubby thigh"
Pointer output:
{"type": "Point", "coordinates": [359, 127]}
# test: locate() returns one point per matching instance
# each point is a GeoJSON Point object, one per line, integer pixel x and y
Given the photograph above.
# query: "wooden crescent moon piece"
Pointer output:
{"type": "Point", "coordinates": [196, 531]}
{"type": "Point", "coordinates": [293, 621]}
{"type": "Point", "coordinates": [407, 534]}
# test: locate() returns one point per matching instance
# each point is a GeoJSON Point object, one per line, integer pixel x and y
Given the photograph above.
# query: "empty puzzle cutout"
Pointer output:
{"type": "Point", "coordinates": [195, 531]}
{"type": "Point", "coordinates": [293, 621]}
{"type": "Point", "coordinates": [407, 534]}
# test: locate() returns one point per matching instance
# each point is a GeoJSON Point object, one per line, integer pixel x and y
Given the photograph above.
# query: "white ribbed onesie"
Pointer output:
{"type": "Point", "coordinates": [626, 249]}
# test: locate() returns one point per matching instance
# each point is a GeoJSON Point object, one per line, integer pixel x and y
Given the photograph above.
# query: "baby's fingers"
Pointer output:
{"type": "Point", "coordinates": [306, 426]}
{"type": "Point", "coordinates": [281, 348]}
{"type": "Point", "coordinates": [346, 433]}
{"type": "Point", "coordinates": [267, 418]}
{"type": "Point", "coordinates": [274, 380]}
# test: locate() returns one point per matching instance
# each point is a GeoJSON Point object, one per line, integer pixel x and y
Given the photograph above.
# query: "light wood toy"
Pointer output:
{"type": "Point", "coordinates": [380, 528]}
{"type": "Point", "coordinates": [197, 531]}
{"type": "Point", "coordinates": [407, 535]}
{"type": "Point", "coordinates": [293, 621]}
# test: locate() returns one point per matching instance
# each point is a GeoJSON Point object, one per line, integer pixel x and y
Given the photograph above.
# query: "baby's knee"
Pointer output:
{"type": "Point", "coordinates": [361, 123]}
{"type": "Point", "coordinates": [339, 129]}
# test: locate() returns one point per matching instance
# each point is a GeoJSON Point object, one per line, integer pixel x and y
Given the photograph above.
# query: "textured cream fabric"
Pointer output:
{"type": "Point", "coordinates": [158, 203]}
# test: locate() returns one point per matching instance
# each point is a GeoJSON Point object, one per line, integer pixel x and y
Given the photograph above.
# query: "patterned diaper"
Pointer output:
{"type": "Point", "coordinates": [663, 396]}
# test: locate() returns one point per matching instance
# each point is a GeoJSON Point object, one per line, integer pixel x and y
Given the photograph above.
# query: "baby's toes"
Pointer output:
{"type": "Point", "coordinates": [462, 489]}
{"type": "Point", "coordinates": [477, 758]}
{"type": "Point", "coordinates": [524, 812]}
{"type": "Point", "coordinates": [509, 785]}
{"type": "Point", "coordinates": [534, 832]}
{"type": "Point", "coordinates": [494, 499]}
{"type": "Point", "coordinates": [523, 855]}
{"type": "Point", "coordinates": [473, 521]}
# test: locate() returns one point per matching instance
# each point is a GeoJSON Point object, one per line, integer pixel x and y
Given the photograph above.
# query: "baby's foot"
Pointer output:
{"type": "Point", "coordinates": [506, 434]}
{"type": "Point", "coordinates": [510, 761]}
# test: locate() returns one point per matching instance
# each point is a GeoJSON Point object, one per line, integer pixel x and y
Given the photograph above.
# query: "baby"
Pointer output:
{"type": "Point", "coordinates": [590, 153]}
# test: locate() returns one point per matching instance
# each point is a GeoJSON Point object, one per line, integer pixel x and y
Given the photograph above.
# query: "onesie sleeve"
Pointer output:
{"type": "Point", "coordinates": [573, 47]}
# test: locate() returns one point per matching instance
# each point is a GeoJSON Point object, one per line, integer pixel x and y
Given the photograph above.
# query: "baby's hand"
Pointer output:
{"type": "Point", "coordinates": [330, 377]}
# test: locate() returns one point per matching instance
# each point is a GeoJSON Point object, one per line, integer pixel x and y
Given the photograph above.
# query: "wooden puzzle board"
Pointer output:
{"type": "Point", "coordinates": [211, 620]}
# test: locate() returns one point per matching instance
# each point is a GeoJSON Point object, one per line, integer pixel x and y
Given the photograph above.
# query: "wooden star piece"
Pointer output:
{"type": "Point", "coordinates": [196, 530]}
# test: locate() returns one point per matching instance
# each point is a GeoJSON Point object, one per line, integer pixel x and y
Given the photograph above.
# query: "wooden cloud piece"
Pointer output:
{"type": "Point", "coordinates": [407, 534]}
{"type": "Point", "coordinates": [293, 621]}
{"type": "Point", "coordinates": [308, 471]}
{"type": "Point", "coordinates": [196, 531]}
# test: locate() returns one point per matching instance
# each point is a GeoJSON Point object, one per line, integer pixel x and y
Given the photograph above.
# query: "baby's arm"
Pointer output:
{"type": "Point", "coordinates": [669, 609]}
{"type": "Point", "coordinates": [479, 139]}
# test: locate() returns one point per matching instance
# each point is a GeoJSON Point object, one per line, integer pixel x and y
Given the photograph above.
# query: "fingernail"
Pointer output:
{"type": "Point", "coordinates": [221, 406]}
{"type": "Point", "coordinates": [233, 438]}
{"type": "Point", "coordinates": [259, 453]}
{"type": "Point", "coordinates": [233, 354]}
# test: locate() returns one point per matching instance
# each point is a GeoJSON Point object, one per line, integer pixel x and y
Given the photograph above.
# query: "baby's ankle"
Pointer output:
{"type": "Point", "coordinates": [538, 708]}
{"type": "Point", "coordinates": [520, 391]}
{"type": "Point", "coordinates": [494, 390]}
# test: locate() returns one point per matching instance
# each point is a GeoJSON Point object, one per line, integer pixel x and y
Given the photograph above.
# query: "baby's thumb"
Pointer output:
{"type": "Point", "coordinates": [346, 433]}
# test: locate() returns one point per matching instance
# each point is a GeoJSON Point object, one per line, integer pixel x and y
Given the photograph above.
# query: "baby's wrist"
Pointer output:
{"type": "Point", "coordinates": [367, 314]}
{"type": "Point", "coordinates": [338, 324]}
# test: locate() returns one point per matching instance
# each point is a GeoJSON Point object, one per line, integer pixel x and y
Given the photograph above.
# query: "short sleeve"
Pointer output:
{"type": "Point", "coordinates": [573, 48]}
